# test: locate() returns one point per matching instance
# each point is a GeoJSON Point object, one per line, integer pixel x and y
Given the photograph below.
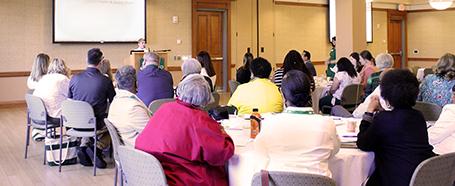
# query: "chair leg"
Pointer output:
{"type": "Point", "coordinates": [45, 136]}
{"type": "Point", "coordinates": [27, 140]}
{"type": "Point", "coordinates": [60, 151]}
{"type": "Point", "coordinates": [121, 177]}
{"type": "Point", "coordinates": [116, 175]}
{"type": "Point", "coordinates": [94, 155]}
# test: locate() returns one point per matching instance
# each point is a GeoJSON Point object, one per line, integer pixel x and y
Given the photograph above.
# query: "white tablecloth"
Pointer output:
{"type": "Point", "coordinates": [349, 167]}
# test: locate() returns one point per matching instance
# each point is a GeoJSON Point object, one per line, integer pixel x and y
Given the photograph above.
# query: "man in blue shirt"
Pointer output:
{"type": "Point", "coordinates": [96, 89]}
{"type": "Point", "coordinates": [152, 82]}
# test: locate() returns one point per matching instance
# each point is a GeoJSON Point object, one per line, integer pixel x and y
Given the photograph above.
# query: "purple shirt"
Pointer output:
{"type": "Point", "coordinates": [154, 83]}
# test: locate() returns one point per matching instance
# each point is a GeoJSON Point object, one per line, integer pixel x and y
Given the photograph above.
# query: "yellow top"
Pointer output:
{"type": "Point", "coordinates": [258, 93]}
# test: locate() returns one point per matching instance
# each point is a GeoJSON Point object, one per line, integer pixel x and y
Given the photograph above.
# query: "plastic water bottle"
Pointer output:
{"type": "Point", "coordinates": [255, 121]}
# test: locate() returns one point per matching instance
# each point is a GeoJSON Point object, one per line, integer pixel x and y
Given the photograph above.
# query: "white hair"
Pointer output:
{"type": "Point", "coordinates": [191, 66]}
{"type": "Point", "coordinates": [384, 61]}
{"type": "Point", "coordinates": [195, 90]}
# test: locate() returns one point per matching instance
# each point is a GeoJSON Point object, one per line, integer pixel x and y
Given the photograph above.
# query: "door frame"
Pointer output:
{"type": "Point", "coordinates": [393, 15]}
{"type": "Point", "coordinates": [216, 6]}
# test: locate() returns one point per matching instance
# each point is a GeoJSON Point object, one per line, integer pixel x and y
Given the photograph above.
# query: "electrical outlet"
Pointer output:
{"type": "Point", "coordinates": [415, 51]}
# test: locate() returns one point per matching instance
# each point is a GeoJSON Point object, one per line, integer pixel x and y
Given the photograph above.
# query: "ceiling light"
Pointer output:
{"type": "Point", "coordinates": [440, 4]}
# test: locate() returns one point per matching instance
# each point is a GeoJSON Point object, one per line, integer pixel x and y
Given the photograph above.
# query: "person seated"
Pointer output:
{"type": "Point", "coordinates": [345, 76]}
{"type": "Point", "coordinates": [368, 62]}
{"type": "Point", "coordinates": [105, 69]}
{"type": "Point", "coordinates": [127, 112]}
{"type": "Point", "coordinates": [193, 66]}
{"type": "Point", "coordinates": [52, 88]}
{"type": "Point", "coordinates": [259, 93]}
{"type": "Point", "coordinates": [442, 133]}
{"type": "Point", "coordinates": [383, 61]}
{"type": "Point", "coordinates": [192, 147]}
{"type": "Point", "coordinates": [293, 60]}
{"type": "Point", "coordinates": [153, 82]}
{"type": "Point", "coordinates": [435, 88]}
{"type": "Point", "coordinates": [243, 74]}
{"type": "Point", "coordinates": [96, 89]}
{"type": "Point", "coordinates": [355, 60]}
{"type": "Point", "coordinates": [309, 65]}
{"type": "Point", "coordinates": [398, 138]}
{"type": "Point", "coordinates": [295, 141]}
{"type": "Point", "coordinates": [207, 67]}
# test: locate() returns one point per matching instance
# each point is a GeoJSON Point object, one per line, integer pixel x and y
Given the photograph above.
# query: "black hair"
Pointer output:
{"type": "Point", "coordinates": [261, 68]}
{"type": "Point", "coordinates": [294, 61]}
{"type": "Point", "coordinates": [453, 88]}
{"type": "Point", "coordinates": [94, 56]}
{"type": "Point", "coordinates": [358, 65]}
{"type": "Point", "coordinates": [206, 62]}
{"type": "Point", "coordinates": [243, 75]}
{"type": "Point", "coordinates": [307, 54]}
{"type": "Point", "coordinates": [345, 65]}
{"type": "Point", "coordinates": [400, 88]}
{"type": "Point", "coordinates": [334, 38]}
{"type": "Point", "coordinates": [247, 58]}
{"type": "Point", "coordinates": [368, 56]}
{"type": "Point", "coordinates": [296, 88]}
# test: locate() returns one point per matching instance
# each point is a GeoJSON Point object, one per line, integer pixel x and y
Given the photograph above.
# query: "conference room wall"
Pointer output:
{"type": "Point", "coordinates": [432, 34]}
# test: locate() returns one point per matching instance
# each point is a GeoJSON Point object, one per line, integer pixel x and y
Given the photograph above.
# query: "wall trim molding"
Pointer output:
{"type": "Point", "coordinates": [423, 59]}
{"type": "Point", "coordinates": [9, 104]}
{"type": "Point", "coordinates": [173, 68]}
{"type": "Point", "coordinates": [13, 74]}
{"type": "Point", "coordinates": [279, 65]}
{"type": "Point", "coordinates": [300, 4]}
{"type": "Point", "coordinates": [430, 10]}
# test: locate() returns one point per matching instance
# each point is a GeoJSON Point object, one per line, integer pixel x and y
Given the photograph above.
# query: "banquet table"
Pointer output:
{"type": "Point", "coordinates": [322, 86]}
{"type": "Point", "coordinates": [349, 167]}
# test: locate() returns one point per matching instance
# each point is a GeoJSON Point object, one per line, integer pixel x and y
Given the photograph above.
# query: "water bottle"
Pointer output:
{"type": "Point", "coordinates": [255, 121]}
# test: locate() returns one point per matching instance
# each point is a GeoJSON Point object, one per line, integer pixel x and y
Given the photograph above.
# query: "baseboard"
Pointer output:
{"type": "Point", "coordinates": [9, 104]}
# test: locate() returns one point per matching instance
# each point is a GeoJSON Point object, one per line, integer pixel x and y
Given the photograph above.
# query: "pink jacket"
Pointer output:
{"type": "Point", "coordinates": [189, 144]}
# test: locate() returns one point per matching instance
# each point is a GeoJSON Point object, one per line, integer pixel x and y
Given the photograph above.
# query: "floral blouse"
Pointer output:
{"type": "Point", "coordinates": [437, 90]}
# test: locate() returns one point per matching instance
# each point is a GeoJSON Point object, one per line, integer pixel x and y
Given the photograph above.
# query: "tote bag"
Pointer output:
{"type": "Point", "coordinates": [69, 150]}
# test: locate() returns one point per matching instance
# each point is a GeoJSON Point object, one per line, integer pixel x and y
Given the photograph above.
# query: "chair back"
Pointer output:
{"type": "Point", "coordinates": [78, 114]}
{"type": "Point", "coordinates": [278, 178]}
{"type": "Point", "coordinates": [351, 96]}
{"type": "Point", "coordinates": [116, 139]}
{"type": "Point", "coordinates": [430, 111]}
{"type": "Point", "coordinates": [233, 84]}
{"type": "Point", "coordinates": [36, 109]}
{"type": "Point", "coordinates": [215, 103]}
{"type": "Point", "coordinates": [140, 168]}
{"type": "Point", "coordinates": [155, 104]}
{"type": "Point", "coordinates": [438, 170]}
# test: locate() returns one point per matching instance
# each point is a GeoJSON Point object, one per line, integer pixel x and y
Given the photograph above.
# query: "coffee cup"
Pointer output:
{"type": "Point", "coordinates": [351, 125]}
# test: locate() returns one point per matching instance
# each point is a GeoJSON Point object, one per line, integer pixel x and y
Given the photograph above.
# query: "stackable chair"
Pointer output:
{"type": "Point", "coordinates": [279, 178]}
{"type": "Point", "coordinates": [116, 142]}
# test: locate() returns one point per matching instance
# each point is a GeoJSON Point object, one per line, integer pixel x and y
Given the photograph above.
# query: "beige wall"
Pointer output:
{"type": "Point", "coordinates": [379, 44]}
{"type": "Point", "coordinates": [26, 29]}
{"type": "Point", "coordinates": [431, 33]}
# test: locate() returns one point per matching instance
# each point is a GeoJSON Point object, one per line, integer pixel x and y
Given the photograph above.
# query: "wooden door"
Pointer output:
{"type": "Point", "coordinates": [396, 36]}
{"type": "Point", "coordinates": [209, 37]}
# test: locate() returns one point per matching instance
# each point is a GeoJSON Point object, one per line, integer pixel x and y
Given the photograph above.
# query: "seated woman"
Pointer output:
{"type": "Point", "coordinates": [296, 141]}
{"type": "Point", "coordinates": [243, 74]}
{"type": "Point", "coordinates": [292, 61]}
{"type": "Point", "coordinates": [127, 112]}
{"type": "Point", "coordinates": [345, 76]}
{"type": "Point", "coordinates": [442, 133]}
{"type": "Point", "coordinates": [192, 147]}
{"type": "Point", "coordinates": [369, 67]}
{"type": "Point", "coordinates": [207, 67]}
{"type": "Point", "coordinates": [192, 66]}
{"type": "Point", "coordinates": [399, 137]}
{"type": "Point", "coordinates": [355, 60]}
{"type": "Point", "coordinates": [435, 88]}
{"type": "Point", "coordinates": [52, 88]}
{"type": "Point", "coordinates": [383, 62]}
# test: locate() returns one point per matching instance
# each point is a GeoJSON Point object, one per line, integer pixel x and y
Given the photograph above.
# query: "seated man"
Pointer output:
{"type": "Point", "coordinates": [259, 93]}
{"type": "Point", "coordinates": [152, 82]}
{"type": "Point", "coordinates": [442, 133]}
{"type": "Point", "coordinates": [93, 87]}
{"type": "Point", "coordinates": [127, 112]}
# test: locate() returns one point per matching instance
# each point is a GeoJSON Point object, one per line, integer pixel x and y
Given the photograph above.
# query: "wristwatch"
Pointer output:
{"type": "Point", "coordinates": [369, 114]}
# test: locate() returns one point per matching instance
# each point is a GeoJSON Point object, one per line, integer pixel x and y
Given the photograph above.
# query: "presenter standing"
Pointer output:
{"type": "Point", "coordinates": [141, 45]}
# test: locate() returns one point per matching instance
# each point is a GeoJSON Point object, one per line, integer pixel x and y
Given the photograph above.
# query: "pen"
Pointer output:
{"type": "Point", "coordinates": [349, 136]}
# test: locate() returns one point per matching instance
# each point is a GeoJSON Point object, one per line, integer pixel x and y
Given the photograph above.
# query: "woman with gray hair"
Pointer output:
{"type": "Point", "coordinates": [384, 62]}
{"type": "Point", "coordinates": [192, 66]}
{"type": "Point", "coordinates": [192, 147]}
{"type": "Point", "coordinates": [127, 112]}
{"type": "Point", "coordinates": [436, 88]}
{"type": "Point", "coordinates": [52, 88]}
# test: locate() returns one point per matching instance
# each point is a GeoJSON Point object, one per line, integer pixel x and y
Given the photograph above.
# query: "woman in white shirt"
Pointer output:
{"type": "Point", "coordinates": [39, 69]}
{"type": "Point", "coordinates": [207, 67]}
{"type": "Point", "coordinates": [53, 88]}
{"type": "Point", "coordinates": [296, 140]}
{"type": "Point", "coordinates": [345, 76]}
{"type": "Point", "coordinates": [442, 133]}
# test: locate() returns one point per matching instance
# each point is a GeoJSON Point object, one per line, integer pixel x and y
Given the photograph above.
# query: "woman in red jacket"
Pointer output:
{"type": "Point", "coordinates": [192, 147]}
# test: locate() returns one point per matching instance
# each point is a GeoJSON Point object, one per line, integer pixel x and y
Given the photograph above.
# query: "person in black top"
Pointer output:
{"type": "Point", "coordinates": [243, 74]}
{"type": "Point", "coordinates": [96, 89]}
{"type": "Point", "coordinates": [398, 138]}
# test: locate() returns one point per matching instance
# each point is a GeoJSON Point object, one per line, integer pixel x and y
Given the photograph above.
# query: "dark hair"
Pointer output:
{"type": "Point", "coordinates": [307, 54]}
{"type": "Point", "coordinates": [94, 56]}
{"type": "Point", "coordinates": [243, 75]}
{"type": "Point", "coordinates": [358, 65]}
{"type": "Point", "coordinates": [294, 61]}
{"type": "Point", "coordinates": [368, 56]}
{"type": "Point", "coordinates": [247, 58]}
{"type": "Point", "coordinates": [400, 88]}
{"type": "Point", "coordinates": [453, 88]}
{"type": "Point", "coordinates": [296, 88]}
{"type": "Point", "coordinates": [445, 67]}
{"type": "Point", "coordinates": [204, 58]}
{"type": "Point", "coordinates": [345, 65]}
{"type": "Point", "coordinates": [334, 38]}
{"type": "Point", "coordinates": [260, 67]}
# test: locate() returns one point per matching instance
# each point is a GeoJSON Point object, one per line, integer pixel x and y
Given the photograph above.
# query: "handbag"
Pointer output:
{"type": "Point", "coordinates": [69, 150]}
